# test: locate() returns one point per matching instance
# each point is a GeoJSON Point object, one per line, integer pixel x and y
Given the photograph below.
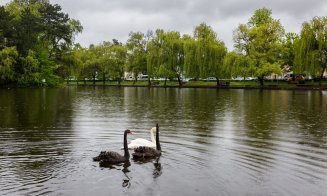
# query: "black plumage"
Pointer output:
{"type": "Point", "coordinates": [114, 157]}
{"type": "Point", "coordinates": [147, 152]}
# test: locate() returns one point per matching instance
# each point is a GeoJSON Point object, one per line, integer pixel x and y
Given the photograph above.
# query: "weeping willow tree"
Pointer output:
{"type": "Point", "coordinates": [191, 69]}
{"type": "Point", "coordinates": [204, 54]}
{"type": "Point", "coordinates": [166, 55]}
{"type": "Point", "coordinates": [236, 64]}
{"type": "Point", "coordinates": [172, 56]}
{"type": "Point", "coordinates": [90, 64]}
{"type": "Point", "coordinates": [136, 54]}
{"type": "Point", "coordinates": [311, 55]}
{"type": "Point", "coordinates": [216, 53]}
{"type": "Point", "coordinates": [153, 53]}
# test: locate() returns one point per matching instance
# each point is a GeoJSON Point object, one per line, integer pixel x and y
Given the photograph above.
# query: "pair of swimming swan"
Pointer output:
{"type": "Point", "coordinates": [140, 151]}
{"type": "Point", "coordinates": [143, 142]}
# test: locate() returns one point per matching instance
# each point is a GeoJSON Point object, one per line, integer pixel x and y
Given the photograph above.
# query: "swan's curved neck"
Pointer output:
{"type": "Point", "coordinates": [152, 136]}
{"type": "Point", "coordinates": [157, 138]}
{"type": "Point", "coordinates": [126, 152]}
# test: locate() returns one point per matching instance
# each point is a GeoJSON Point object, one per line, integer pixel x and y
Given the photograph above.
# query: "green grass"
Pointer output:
{"type": "Point", "coordinates": [242, 83]}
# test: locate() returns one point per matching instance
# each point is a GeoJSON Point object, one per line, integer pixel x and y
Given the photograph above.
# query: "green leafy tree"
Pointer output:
{"type": "Point", "coordinates": [288, 51]}
{"type": "Point", "coordinates": [216, 53]}
{"type": "Point", "coordinates": [311, 55]}
{"type": "Point", "coordinates": [30, 70]}
{"type": "Point", "coordinates": [8, 60]}
{"type": "Point", "coordinates": [28, 31]}
{"type": "Point", "coordinates": [171, 56]}
{"type": "Point", "coordinates": [166, 55]}
{"type": "Point", "coordinates": [136, 54]}
{"type": "Point", "coordinates": [191, 68]}
{"type": "Point", "coordinates": [91, 64]}
{"type": "Point", "coordinates": [40, 31]}
{"type": "Point", "coordinates": [204, 54]}
{"type": "Point", "coordinates": [104, 58]}
{"type": "Point", "coordinates": [58, 29]}
{"type": "Point", "coordinates": [153, 53]}
{"type": "Point", "coordinates": [261, 41]}
{"type": "Point", "coordinates": [83, 55]}
{"type": "Point", "coordinates": [7, 30]}
{"type": "Point", "coordinates": [236, 64]}
{"type": "Point", "coordinates": [205, 39]}
{"type": "Point", "coordinates": [288, 54]}
{"type": "Point", "coordinates": [69, 64]}
{"type": "Point", "coordinates": [48, 68]}
{"type": "Point", "coordinates": [118, 54]}
{"type": "Point", "coordinates": [16, 7]}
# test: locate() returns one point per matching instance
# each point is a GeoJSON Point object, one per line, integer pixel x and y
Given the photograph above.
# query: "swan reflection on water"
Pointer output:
{"type": "Point", "coordinates": [157, 171]}
{"type": "Point", "coordinates": [126, 181]}
{"type": "Point", "coordinates": [124, 167]}
{"type": "Point", "coordinates": [157, 168]}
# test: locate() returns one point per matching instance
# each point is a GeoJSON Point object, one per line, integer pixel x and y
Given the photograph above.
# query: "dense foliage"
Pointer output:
{"type": "Point", "coordinates": [37, 48]}
{"type": "Point", "coordinates": [311, 47]}
{"type": "Point", "coordinates": [35, 37]}
{"type": "Point", "coordinates": [261, 41]}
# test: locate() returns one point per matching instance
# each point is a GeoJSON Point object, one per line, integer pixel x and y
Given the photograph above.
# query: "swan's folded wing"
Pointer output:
{"type": "Point", "coordinates": [140, 142]}
{"type": "Point", "coordinates": [145, 152]}
{"type": "Point", "coordinates": [108, 156]}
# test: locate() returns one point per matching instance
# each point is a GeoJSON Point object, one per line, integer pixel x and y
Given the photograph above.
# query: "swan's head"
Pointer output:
{"type": "Point", "coordinates": [153, 129]}
{"type": "Point", "coordinates": [128, 131]}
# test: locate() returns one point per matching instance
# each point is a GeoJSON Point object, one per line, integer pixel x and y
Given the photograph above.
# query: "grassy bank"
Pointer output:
{"type": "Point", "coordinates": [309, 85]}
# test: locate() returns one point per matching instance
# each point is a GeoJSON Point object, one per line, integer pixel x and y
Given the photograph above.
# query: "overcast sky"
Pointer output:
{"type": "Point", "coordinates": [104, 20]}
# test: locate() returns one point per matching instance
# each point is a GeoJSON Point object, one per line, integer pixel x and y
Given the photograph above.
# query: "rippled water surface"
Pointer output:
{"type": "Point", "coordinates": [215, 142]}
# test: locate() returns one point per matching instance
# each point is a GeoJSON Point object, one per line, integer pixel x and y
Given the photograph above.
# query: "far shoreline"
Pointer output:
{"type": "Point", "coordinates": [249, 87]}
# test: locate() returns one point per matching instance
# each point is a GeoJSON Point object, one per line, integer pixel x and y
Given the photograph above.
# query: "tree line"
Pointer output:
{"type": "Point", "coordinates": [37, 45]}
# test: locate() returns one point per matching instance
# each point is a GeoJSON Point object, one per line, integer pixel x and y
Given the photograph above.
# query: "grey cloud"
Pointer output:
{"type": "Point", "coordinates": [108, 19]}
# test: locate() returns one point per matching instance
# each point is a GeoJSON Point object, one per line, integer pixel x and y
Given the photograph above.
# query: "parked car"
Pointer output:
{"type": "Point", "coordinates": [143, 77]}
{"type": "Point", "coordinates": [243, 78]}
{"type": "Point", "coordinates": [211, 79]}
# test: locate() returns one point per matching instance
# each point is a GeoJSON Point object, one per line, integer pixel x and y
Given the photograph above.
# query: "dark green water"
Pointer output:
{"type": "Point", "coordinates": [215, 142]}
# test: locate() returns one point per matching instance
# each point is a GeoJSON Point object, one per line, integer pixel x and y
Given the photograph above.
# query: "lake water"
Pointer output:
{"type": "Point", "coordinates": [215, 142]}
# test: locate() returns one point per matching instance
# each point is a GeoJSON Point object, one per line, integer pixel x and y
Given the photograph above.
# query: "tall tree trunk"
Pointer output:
{"type": "Point", "coordinates": [260, 78]}
{"type": "Point", "coordinates": [179, 81]}
{"type": "Point", "coordinates": [218, 82]}
{"type": "Point", "coordinates": [165, 81]}
{"type": "Point", "coordinates": [104, 78]}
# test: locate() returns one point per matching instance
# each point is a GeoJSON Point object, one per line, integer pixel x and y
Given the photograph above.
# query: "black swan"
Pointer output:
{"type": "Point", "coordinates": [147, 152]}
{"type": "Point", "coordinates": [114, 157]}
